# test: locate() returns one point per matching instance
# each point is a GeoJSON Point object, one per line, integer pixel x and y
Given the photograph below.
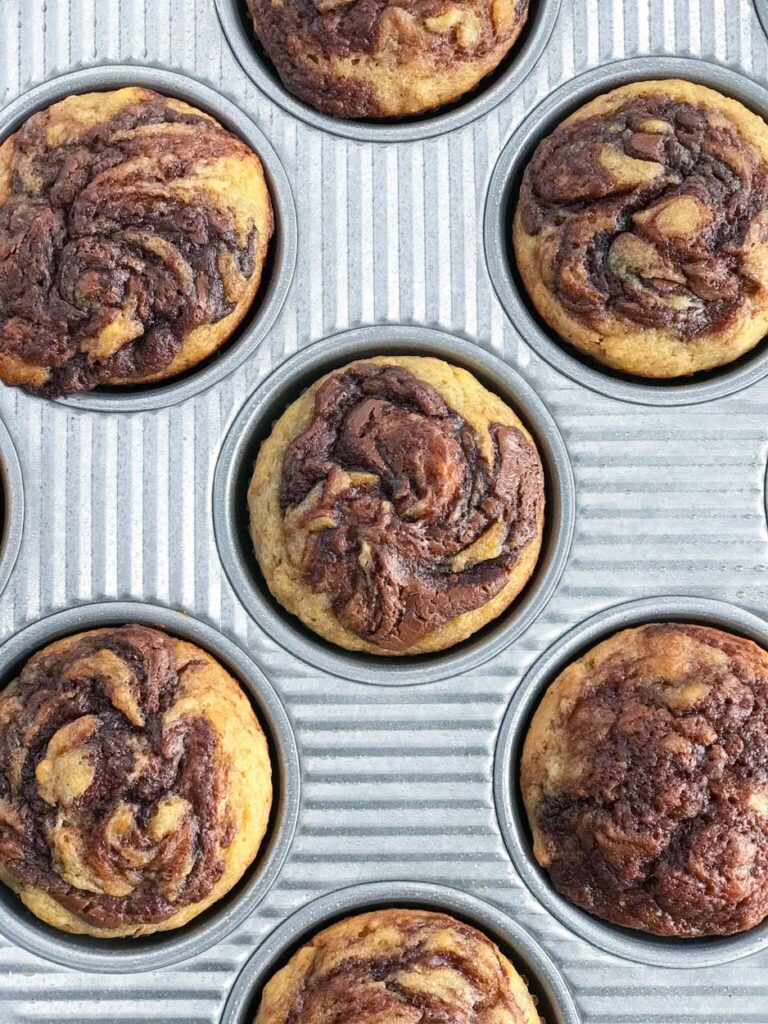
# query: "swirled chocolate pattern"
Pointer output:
{"type": "Point", "coordinates": [121, 792]}
{"type": "Point", "coordinates": [378, 59]}
{"type": "Point", "coordinates": [133, 232]}
{"type": "Point", "coordinates": [645, 777]}
{"type": "Point", "coordinates": [399, 512]}
{"type": "Point", "coordinates": [642, 225]}
{"type": "Point", "coordinates": [409, 966]}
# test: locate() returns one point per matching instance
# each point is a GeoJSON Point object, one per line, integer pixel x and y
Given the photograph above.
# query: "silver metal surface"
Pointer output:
{"type": "Point", "coordinates": [278, 272]}
{"type": "Point", "coordinates": [238, 28]}
{"type": "Point", "coordinates": [502, 200]}
{"type": "Point", "coordinates": [164, 948]}
{"type": "Point", "coordinates": [622, 942]}
{"type": "Point", "coordinates": [396, 781]}
{"type": "Point", "coordinates": [11, 505]}
{"type": "Point", "coordinates": [253, 425]}
{"type": "Point", "coordinates": [555, 1001]}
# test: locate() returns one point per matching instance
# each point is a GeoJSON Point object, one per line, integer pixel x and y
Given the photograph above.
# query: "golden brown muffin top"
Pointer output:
{"type": "Point", "coordinates": [647, 205]}
{"type": "Point", "coordinates": [112, 800]}
{"type": "Point", "coordinates": [409, 522]}
{"type": "Point", "coordinates": [404, 966]}
{"type": "Point", "coordinates": [109, 256]}
{"type": "Point", "coordinates": [645, 777]}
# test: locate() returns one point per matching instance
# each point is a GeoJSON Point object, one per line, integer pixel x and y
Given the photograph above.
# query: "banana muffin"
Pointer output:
{"type": "Point", "coordinates": [133, 235]}
{"type": "Point", "coordinates": [375, 59]}
{"type": "Point", "coordinates": [645, 780]}
{"type": "Point", "coordinates": [409, 966]}
{"type": "Point", "coordinates": [641, 231]}
{"type": "Point", "coordinates": [398, 506]}
{"type": "Point", "coordinates": [135, 783]}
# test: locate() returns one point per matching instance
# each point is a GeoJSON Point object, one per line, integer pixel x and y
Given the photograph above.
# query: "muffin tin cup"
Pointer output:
{"type": "Point", "coordinates": [555, 1001]}
{"type": "Point", "coordinates": [253, 425]}
{"type": "Point", "coordinates": [11, 506]}
{"type": "Point", "coordinates": [236, 23]}
{"type": "Point", "coordinates": [761, 6]}
{"type": "Point", "coordinates": [122, 956]}
{"type": "Point", "coordinates": [623, 942]}
{"type": "Point", "coordinates": [499, 251]}
{"type": "Point", "coordinates": [281, 258]}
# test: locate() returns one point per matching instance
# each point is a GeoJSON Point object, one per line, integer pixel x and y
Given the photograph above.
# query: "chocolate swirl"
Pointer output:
{"type": "Point", "coordinates": [111, 798]}
{"type": "Point", "coordinates": [410, 966]}
{"type": "Point", "coordinates": [376, 58]}
{"type": "Point", "coordinates": [129, 247]}
{"type": "Point", "coordinates": [648, 213]}
{"type": "Point", "coordinates": [646, 781]}
{"type": "Point", "coordinates": [393, 510]}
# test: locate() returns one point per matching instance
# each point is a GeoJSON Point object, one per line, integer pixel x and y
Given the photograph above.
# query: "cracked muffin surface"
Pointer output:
{"type": "Point", "coordinates": [398, 506]}
{"type": "Point", "coordinates": [376, 59]}
{"type": "Point", "coordinates": [133, 234]}
{"type": "Point", "coordinates": [645, 781]}
{"type": "Point", "coordinates": [135, 782]}
{"type": "Point", "coordinates": [641, 229]}
{"type": "Point", "coordinates": [404, 966]}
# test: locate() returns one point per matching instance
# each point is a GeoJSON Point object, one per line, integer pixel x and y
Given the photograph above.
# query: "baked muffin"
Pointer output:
{"type": "Point", "coordinates": [397, 506]}
{"type": "Point", "coordinates": [135, 783]}
{"type": "Point", "coordinates": [409, 966]}
{"type": "Point", "coordinates": [645, 779]}
{"type": "Point", "coordinates": [376, 59]}
{"type": "Point", "coordinates": [641, 231]}
{"type": "Point", "coordinates": [133, 234]}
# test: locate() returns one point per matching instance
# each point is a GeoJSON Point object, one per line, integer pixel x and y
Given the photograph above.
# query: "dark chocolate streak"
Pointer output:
{"type": "Point", "coordinates": [386, 562]}
{"type": "Point", "coordinates": [134, 766]}
{"type": "Point", "coordinates": [658, 833]}
{"type": "Point", "coordinates": [605, 259]}
{"type": "Point", "coordinates": [364, 988]}
{"type": "Point", "coordinates": [83, 243]}
{"type": "Point", "coordinates": [299, 35]}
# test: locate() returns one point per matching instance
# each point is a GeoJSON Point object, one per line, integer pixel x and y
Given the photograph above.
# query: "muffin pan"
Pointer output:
{"type": "Point", "coordinates": [253, 425]}
{"type": "Point", "coordinates": [125, 498]}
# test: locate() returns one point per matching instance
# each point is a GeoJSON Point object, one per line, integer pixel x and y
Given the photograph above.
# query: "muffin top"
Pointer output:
{"type": "Point", "coordinates": [645, 779]}
{"type": "Point", "coordinates": [642, 225]}
{"type": "Point", "coordinates": [135, 782]}
{"type": "Point", "coordinates": [402, 495]}
{"type": "Point", "coordinates": [133, 231]}
{"type": "Point", "coordinates": [408, 966]}
{"type": "Point", "coordinates": [378, 59]}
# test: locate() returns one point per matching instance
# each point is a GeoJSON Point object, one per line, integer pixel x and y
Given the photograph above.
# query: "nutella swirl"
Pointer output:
{"type": "Point", "coordinates": [111, 800]}
{"type": "Point", "coordinates": [648, 213]}
{"type": "Point", "coordinates": [393, 510]}
{"type": "Point", "coordinates": [113, 248]}
{"type": "Point", "coordinates": [646, 781]}
{"type": "Point", "coordinates": [410, 966]}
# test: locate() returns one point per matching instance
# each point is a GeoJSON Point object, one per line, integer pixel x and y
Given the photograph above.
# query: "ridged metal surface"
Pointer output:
{"type": "Point", "coordinates": [397, 783]}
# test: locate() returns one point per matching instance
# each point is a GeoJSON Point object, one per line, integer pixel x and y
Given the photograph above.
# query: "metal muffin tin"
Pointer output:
{"type": "Point", "coordinates": [281, 258]}
{"type": "Point", "coordinates": [238, 28]}
{"type": "Point", "coordinates": [554, 1001]}
{"type": "Point", "coordinates": [162, 949]}
{"type": "Point", "coordinates": [254, 424]}
{"type": "Point", "coordinates": [502, 201]}
{"type": "Point", "coordinates": [623, 942]}
{"type": "Point", "coordinates": [396, 781]}
{"type": "Point", "coordinates": [11, 505]}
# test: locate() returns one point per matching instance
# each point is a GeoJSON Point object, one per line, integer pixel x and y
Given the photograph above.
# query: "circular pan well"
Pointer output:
{"type": "Point", "coordinates": [236, 23]}
{"type": "Point", "coordinates": [623, 942]}
{"type": "Point", "coordinates": [544, 979]}
{"type": "Point", "coordinates": [121, 956]}
{"type": "Point", "coordinates": [281, 258]}
{"type": "Point", "coordinates": [502, 197]}
{"type": "Point", "coordinates": [253, 424]}
{"type": "Point", "coordinates": [11, 506]}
